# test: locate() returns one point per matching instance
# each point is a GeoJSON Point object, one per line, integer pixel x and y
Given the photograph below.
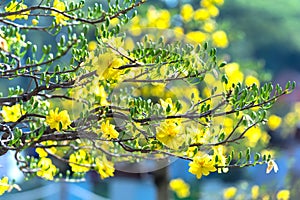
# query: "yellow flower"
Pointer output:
{"type": "Point", "coordinates": [213, 11]}
{"type": "Point", "coordinates": [92, 45]}
{"type": "Point", "coordinates": [206, 3]}
{"type": "Point", "coordinates": [12, 113]}
{"type": "Point", "coordinates": [234, 74]}
{"type": "Point", "coordinates": [253, 135]}
{"type": "Point", "coordinates": [201, 14]}
{"type": "Point", "coordinates": [229, 193]}
{"type": "Point", "coordinates": [4, 186]}
{"type": "Point", "coordinates": [219, 39]}
{"type": "Point", "coordinates": [46, 169]}
{"type": "Point", "coordinates": [34, 22]}
{"type": "Point", "coordinates": [187, 12]}
{"type": "Point", "coordinates": [178, 31]}
{"type": "Point", "coordinates": [228, 125]}
{"type": "Point", "coordinates": [108, 130]}
{"type": "Point", "coordinates": [59, 18]}
{"type": "Point", "coordinates": [272, 165]}
{"type": "Point", "coordinates": [202, 164]}
{"type": "Point", "coordinates": [170, 134]}
{"type": "Point", "coordinates": [274, 122]}
{"type": "Point", "coordinates": [107, 65]}
{"type": "Point", "coordinates": [283, 195]}
{"type": "Point", "coordinates": [115, 21]}
{"type": "Point", "coordinates": [255, 192]}
{"type": "Point", "coordinates": [3, 44]}
{"type": "Point", "coordinates": [198, 134]}
{"type": "Point", "coordinates": [157, 18]}
{"type": "Point", "coordinates": [181, 188]}
{"type": "Point", "coordinates": [250, 80]}
{"type": "Point", "coordinates": [209, 26]}
{"type": "Point", "coordinates": [101, 93]}
{"type": "Point", "coordinates": [163, 20]}
{"type": "Point", "coordinates": [168, 106]}
{"type": "Point", "coordinates": [104, 167]}
{"type": "Point", "coordinates": [15, 6]}
{"type": "Point", "coordinates": [55, 118]}
{"type": "Point", "coordinates": [80, 161]}
{"type": "Point", "coordinates": [197, 37]}
{"type": "Point", "coordinates": [42, 153]}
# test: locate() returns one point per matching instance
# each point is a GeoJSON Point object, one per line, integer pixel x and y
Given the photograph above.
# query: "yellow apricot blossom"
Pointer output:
{"type": "Point", "coordinates": [283, 195]}
{"type": "Point", "coordinates": [59, 18]}
{"type": "Point", "coordinates": [107, 65]}
{"type": "Point", "coordinates": [228, 125]}
{"type": "Point", "coordinates": [170, 133]}
{"type": "Point", "coordinates": [250, 80]}
{"type": "Point", "coordinates": [46, 169]}
{"type": "Point", "coordinates": [42, 153]}
{"type": "Point", "coordinates": [197, 37]}
{"type": "Point", "coordinates": [34, 22]}
{"type": "Point", "coordinates": [274, 122]}
{"type": "Point", "coordinates": [4, 186]}
{"type": "Point", "coordinates": [209, 26]}
{"type": "Point", "coordinates": [234, 74]}
{"type": "Point", "coordinates": [108, 130]}
{"type": "Point", "coordinates": [253, 135]}
{"type": "Point", "coordinates": [15, 6]}
{"type": "Point", "coordinates": [104, 167]}
{"type": "Point", "coordinates": [101, 93]}
{"type": "Point", "coordinates": [213, 10]}
{"type": "Point", "coordinates": [201, 14]}
{"type": "Point", "coordinates": [92, 45]}
{"type": "Point", "coordinates": [229, 193]}
{"type": "Point", "coordinates": [164, 19]}
{"type": "Point", "coordinates": [202, 164]}
{"type": "Point", "coordinates": [219, 39]}
{"type": "Point", "coordinates": [80, 161]}
{"type": "Point", "coordinates": [168, 106]}
{"type": "Point", "coordinates": [178, 31]}
{"type": "Point", "coordinates": [206, 3]}
{"type": "Point", "coordinates": [12, 113]}
{"type": "Point", "coordinates": [56, 119]}
{"type": "Point", "coordinates": [181, 188]}
{"type": "Point", "coordinates": [158, 18]}
{"type": "Point", "coordinates": [186, 12]}
{"type": "Point", "coordinates": [255, 192]}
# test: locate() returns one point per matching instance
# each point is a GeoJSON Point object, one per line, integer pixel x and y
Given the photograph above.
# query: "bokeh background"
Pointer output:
{"type": "Point", "coordinates": [264, 37]}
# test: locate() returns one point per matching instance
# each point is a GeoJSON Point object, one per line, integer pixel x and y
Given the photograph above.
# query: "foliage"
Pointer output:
{"type": "Point", "coordinates": [96, 98]}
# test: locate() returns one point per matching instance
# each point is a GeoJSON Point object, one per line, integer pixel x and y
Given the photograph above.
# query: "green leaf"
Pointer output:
{"type": "Point", "coordinates": [256, 157]}
{"type": "Point", "coordinates": [223, 64]}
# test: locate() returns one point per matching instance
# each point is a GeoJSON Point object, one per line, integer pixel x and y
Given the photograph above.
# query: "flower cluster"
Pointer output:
{"type": "Point", "coordinates": [12, 113]}
{"type": "Point", "coordinates": [108, 130]}
{"type": "Point", "coordinates": [59, 18]}
{"type": "Point", "coordinates": [58, 120]}
{"type": "Point", "coordinates": [46, 169]}
{"type": "Point", "coordinates": [170, 133]}
{"type": "Point", "coordinates": [15, 6]}
{"type": "Point", "coordinates": [181, 188]}
{"type": "Point", "coordinates": [80, 161]}
{"type": "Point", "coordinates": [4, 186]}
{"type": "Point", "coordinates": [202, 164]}
{"type": "Point", "coordinates": [104, 167]}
